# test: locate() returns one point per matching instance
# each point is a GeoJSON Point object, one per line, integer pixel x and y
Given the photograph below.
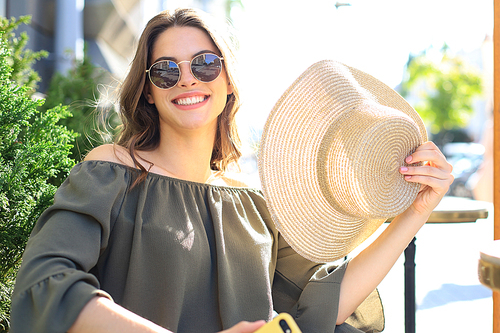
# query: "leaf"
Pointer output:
{"type": "Point", "coordinates": [34, 158]}
{"type": "Point", "coordinates": [445, 89]}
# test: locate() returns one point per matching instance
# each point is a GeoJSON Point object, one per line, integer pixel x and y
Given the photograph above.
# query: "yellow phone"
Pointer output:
{"type": "Point", "coordinates": [282, 323]}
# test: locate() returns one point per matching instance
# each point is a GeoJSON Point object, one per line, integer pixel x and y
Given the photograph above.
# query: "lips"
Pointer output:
{"type": "Point", "coordinates": [192, 100]}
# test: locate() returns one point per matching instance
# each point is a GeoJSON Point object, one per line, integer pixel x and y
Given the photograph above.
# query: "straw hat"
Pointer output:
{"type": "Point", "coordinates": [329, 159]}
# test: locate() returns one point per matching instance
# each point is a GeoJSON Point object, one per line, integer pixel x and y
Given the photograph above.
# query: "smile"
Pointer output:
{"type": "Point", "coordinates": [190, 100]}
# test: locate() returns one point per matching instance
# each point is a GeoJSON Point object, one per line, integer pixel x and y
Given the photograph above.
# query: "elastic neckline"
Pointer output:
{"type": "Point", "coordinates": [172, 179]}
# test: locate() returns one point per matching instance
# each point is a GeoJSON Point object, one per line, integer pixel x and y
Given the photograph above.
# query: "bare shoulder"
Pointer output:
{"type": "Point", "coordinates": [110, 153]}
{"type": "Point", "coordinates": [234, 179]}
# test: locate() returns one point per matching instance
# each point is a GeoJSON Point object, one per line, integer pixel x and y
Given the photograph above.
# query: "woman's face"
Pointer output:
{"type": "Point", "coordinates": [190, 104]}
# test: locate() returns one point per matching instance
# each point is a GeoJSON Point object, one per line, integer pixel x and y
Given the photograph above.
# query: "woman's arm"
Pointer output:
{"type": "Point", "coordinates": [367, 270]}
{"type": "Point", "coordinates": [103, 315]}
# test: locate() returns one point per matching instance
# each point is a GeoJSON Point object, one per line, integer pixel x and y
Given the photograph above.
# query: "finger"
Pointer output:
{"type": "Point", "coordinates": [439, 186]}
{"type": "Point", "coordinates": [428, 153]}
{"type": "Point", "coordinates": [429, 145]}
{"type": "Point", "coordinates": [430, 176]}
{"type": "Point", "coordinates": [425, 170]}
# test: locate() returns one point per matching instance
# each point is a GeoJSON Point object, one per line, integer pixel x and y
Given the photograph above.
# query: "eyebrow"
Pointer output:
{"type": "Point", "coordinates": [194, 55]}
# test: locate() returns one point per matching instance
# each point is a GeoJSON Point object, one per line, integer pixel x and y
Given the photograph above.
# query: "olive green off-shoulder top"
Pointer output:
{"type": "Point", "coordinates": [190, 257]}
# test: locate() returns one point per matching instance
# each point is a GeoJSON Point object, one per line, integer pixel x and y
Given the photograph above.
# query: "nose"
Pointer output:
{"type": "Point", "coordinates": [187, 79]}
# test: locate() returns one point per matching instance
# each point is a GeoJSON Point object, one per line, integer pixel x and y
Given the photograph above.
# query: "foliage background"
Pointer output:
{"type": "Point", "coordinates": [446, 87]}
{"type": "Point", "coordinates": [34, 155]}
{"type": "Point", "coordinates": [20, 59]}
{"type": "Point", "coordinates": [78, 89]}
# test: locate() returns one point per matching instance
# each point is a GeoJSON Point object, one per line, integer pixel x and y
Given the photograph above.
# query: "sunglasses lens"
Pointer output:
{"type": "Point", "coordinates": [164, 74]}
{"type": "Point", "coordinates": [206, 67]}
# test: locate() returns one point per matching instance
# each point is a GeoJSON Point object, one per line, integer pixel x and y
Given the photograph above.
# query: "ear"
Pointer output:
{"type": "Point", "coordinates": [147, 94]}
{"type": "Point", "coordinates": [229, 88]}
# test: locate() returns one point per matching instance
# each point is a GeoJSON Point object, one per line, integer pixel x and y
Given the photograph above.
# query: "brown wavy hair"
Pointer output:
{"type": "Point", "coordinates": [140, 120]}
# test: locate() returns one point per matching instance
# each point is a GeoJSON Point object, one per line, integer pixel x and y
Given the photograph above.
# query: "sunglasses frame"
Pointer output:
{"type": "Point", "coordinates": [190, 69]}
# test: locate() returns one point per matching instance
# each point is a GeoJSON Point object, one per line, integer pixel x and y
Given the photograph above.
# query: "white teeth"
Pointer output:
{"type": "Point", "coordinates": [190, 100]}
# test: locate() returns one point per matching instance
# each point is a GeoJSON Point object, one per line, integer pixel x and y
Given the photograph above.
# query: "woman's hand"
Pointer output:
{"type": "Point", "coordinates": [245, 327]}
{"type": "Point", "coordinates": [434, 175]}
{"type": "Point", "coordinates": [368, 268]}
{"type": "Point", "coordinates": [101, 314]}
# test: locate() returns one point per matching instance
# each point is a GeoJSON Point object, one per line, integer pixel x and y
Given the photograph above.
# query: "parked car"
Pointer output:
{"type": "Point", "coordinates": [466, 158]}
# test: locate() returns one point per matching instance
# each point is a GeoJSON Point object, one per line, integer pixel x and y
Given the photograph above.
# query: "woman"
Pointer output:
{"type": "Point", "coordinates": [150, 235]}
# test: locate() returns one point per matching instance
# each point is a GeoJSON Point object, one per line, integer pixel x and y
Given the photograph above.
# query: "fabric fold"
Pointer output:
{"type": "Point", "coordinates": [185, 255]}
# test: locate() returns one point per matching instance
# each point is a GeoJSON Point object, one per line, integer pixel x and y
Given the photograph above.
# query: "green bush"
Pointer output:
{"type": "Point", "coordinates": [34, 153]}
{"type": "Point", "coordinates": [20, 59]}
{"type": "Point", "coordinates": [79, 90]}
{"type": "Point", "coordinates": [446, 89]}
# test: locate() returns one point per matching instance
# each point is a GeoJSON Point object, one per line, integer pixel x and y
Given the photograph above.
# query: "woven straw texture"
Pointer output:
{"type": "Point", "coordinates": [329, 159]}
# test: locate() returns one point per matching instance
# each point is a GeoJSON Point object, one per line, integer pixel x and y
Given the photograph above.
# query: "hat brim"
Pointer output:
{"type": "Point", "coordinates": [288, 155]}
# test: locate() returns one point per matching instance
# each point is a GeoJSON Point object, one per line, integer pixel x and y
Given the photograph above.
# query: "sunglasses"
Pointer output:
{"type": "Point", "coordinates": [205, 67]}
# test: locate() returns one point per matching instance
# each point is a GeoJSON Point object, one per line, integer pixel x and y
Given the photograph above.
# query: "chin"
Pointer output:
{"type": "Point", "coordinates": [202, 124]}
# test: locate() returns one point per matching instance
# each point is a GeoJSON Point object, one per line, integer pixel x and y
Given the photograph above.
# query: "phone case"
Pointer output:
{"type": "Point", "coordinates": [282, 323]}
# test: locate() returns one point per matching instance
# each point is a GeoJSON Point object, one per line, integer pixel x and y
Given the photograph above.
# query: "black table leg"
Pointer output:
{"type": "Point", "coordinates": [410, 302]}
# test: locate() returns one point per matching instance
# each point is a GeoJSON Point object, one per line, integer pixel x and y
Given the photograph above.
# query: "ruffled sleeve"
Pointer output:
{"type": "Point", "coordinates": [55, 280]}
{"type": "Point", "coordinates": [310, 293]}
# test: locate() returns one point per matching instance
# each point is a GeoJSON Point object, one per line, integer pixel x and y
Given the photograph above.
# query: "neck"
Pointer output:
{"type": "Point", "coordinates": [183, 156]}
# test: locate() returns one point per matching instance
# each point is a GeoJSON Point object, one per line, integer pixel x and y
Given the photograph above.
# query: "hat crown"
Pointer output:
{"type": "Point", "coordinates": [329, 159]}
{"type": "Point", "coordinates": [359, 158]}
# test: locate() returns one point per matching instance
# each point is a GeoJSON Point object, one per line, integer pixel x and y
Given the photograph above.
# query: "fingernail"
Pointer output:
{"type": "Point", "coordinates": [408, 159]}
{"type": "Point", "coordinates": [404, 169]}
{"type": "Point", "coordinates": [407, 177]}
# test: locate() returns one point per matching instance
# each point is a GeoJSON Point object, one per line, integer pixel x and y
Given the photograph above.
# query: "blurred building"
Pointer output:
{"type": "Point", "coordinates": [109, 29]}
